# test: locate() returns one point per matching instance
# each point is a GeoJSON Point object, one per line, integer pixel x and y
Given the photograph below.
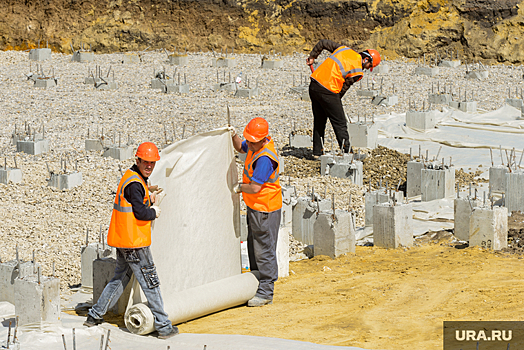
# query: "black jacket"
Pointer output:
{"type": "Point", "coordinates": [134, 193]}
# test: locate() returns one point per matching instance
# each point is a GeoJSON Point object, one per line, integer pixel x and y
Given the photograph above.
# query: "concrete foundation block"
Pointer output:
{"type": "Point", "coordinates": [130, 58]}
{"type": "Point", "coordinates": [9, 273]}
{"type": "Point", "coordinates": [489, 228]}
{"type": "Point", "coordinates": [479, 75]}
{"type": "Point", "coordinates": [24, 137]}
{"type": "Point", "coordinates": [515, 102]}
{"type": "Point", "coordinates": [381, 69]}
{"type": "Point", "coordinates": [429, 71]}
{"type": "Point", "coordinates": [437, 184]}
{"type": "Point", "coordinates": [462, 213]}
{"type": "Point", "coordinates": [65, 181]}
{"type": "Point", "coordinates": [179, 89]}
{"type": "Point", "coordinates": [393, 225]}
{"type": "Point", "coordinates": [33, 147]}
{"type": "Point", "coordinates": [300, 141]}
{"type": "Point", "coordinates": [179, 60]}
{"type": "Point", "coordinates": [110, 85]}
{"type": "Point", "coordinates": [304, 217]}
{"type": "Point", "coordinates": [371, 199]}
{"type": "Point", "coordinates": [10, 175]}
{"type": "Point", "coordinates": [450, 64]}
{"type": "Point", "coordinates": [385, 101]}
{"type": "Point", "coordinates": [342, 167]}
{"type": "Point", "coordinates": [287, 205]}
{"type": "Point", "coordinates": [334, 236]}
{"type": "Point", "coordinates": [247, 93]}
{"type": "Point", "coordinates": [367, 93]}
{"type": "Point", "coordinates": [304, 96]}
{"type": "Point", "coordinates": [40, 54]}
{"type": "Point", "coordinates": [442, 99]}
{"type": "Point", "coordinates": [413, 179]}
{"type": "Point", "coordinates": [103, 272]}
{"type": "Point", "coordinates": [92, 81]}
{"type": "Point", "coordinates": [225, 87]}
{"type": "Point", "coordinates": [514, 192]}
{"type": "Point", "coordinates": [224, 62]}
{"type": "Point", "coordinates": [83, 56]}
{"type": "Point", "coordinates": [421, 120]}
{"type": "Point", "coordinates": [120, 153]}
{"type": "Point", "coordinates": [497, 178]}
{"type": "Point", "coordinates": [45, 83]}
{"type": "Point", "coordinates": [160, 83]}
{"type": "Point", "coordinates": [470, 106]}
{"type": "Point", "coordinates": [37, 302]}
{"type": "Point", "coordinates": [283, 252]}
{"type": "Point", "coordinates": [272, 64]}
{"type": "Point", "coordinates": [363, 134]}
{"type": "Point", "coordinates": [88, 254]}
{"type": "Point", "coordinates": [94, 145]}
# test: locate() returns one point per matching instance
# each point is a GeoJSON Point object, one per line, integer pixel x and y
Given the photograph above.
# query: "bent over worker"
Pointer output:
{"type": "Point", "coordinates": [262, 194]}
{"type": "Point", "coordinates": [130, 233]}
{"type": "Point", "coordinates": [329, 83]}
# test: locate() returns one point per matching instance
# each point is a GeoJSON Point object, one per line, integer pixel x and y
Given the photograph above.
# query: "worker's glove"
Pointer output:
{"type": "Point", "coordinates": [232, 130]}
{"type": "Point", "coordinates": [153, 188]}
{"type": "Point", "coordinates": [156, 194]}
{"type": "Point", "coordinates": [238, 188]}
{"type": "Point", "coordinates": [157, 210]}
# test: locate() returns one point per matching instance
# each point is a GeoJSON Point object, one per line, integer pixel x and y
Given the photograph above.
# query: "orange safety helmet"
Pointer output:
{"type": "Point", "coordinates": [256, 130]}
{"type": "Point", "coordinates": [374, 56]}
{"type": "Point", "coordinates": [148, 152]}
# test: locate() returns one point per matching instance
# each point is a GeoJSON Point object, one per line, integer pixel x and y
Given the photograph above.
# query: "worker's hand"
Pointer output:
{"type": "Point", "coordinates": [153, 188]}
{"type": "Point", "coordinates": [238, 188]}
{"type": "Point", "coordinates": [158, 196]}
{"type": "Point", "coordinates": [157, 210]}
{"type": "Point", "coordinates": [310, 61]}
{"type": "Point", "coordinates": [232, 130]}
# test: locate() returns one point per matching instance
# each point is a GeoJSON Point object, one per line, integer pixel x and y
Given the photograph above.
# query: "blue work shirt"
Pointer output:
{"type": "Point", "coordinates": [262, 168]}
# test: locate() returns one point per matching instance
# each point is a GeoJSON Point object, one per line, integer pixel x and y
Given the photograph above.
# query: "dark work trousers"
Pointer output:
{"type": "Point", "coordinates": [327, 105]}
{"type": "Point", "coordinates": [262, 235]}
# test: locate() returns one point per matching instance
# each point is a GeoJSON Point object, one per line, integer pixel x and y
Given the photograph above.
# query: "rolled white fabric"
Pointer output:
{"type": "Point", "coordinates": [195, 302]}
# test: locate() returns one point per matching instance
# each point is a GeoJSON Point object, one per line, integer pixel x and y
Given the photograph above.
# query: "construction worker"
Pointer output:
{"type": "Point", "coordinates": [329, 83]}
{"type": "Point", "coordinates": [262, 194]}
{"type": "Point", "coordinates": [130, 233]}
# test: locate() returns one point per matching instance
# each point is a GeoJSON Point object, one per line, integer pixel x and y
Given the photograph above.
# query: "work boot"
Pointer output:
{"type": "Point", "coordinates": [91, 321]}
{"type": "Point", "coordinates": [173, 332]}
{"type": "Point", "coordinates": [258, 301]}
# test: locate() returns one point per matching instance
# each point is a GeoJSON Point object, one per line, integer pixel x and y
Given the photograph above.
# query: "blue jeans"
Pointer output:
{"type": "Point", "coordinates": [140, 263]}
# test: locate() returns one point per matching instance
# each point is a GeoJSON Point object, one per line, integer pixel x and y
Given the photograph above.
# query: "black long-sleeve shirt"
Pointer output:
{"type": "Point", "coordinates": [331, 46]}
{"type": "Point", "coordinates": [134, 193]}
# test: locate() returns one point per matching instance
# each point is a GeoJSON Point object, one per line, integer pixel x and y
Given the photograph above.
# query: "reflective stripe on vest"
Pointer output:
{"type": "Point", "coordinates": [125, 231]}
{"type": "Point", "coordinates": [343, 63]}
{"type": "Point", "coordinates": [269, 198]}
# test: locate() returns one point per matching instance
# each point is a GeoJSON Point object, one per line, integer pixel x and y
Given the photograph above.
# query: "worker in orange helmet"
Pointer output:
{"type": "Point", "coordinates": [329, 83]}
{"type": "Point", "coordinates": [262, 194]}
{"type": "Point", "coordinates": [130, 233]}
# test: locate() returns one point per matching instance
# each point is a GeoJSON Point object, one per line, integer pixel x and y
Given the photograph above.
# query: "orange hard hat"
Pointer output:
{"type": "Point", "coordinates": [256, 130]}
{"type": "Point", "coordinates": [375, 57]}
{"type": "Point", "coordinates": [148, 152]}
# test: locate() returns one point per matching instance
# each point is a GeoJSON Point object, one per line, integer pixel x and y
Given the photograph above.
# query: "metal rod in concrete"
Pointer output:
{"type": "Point", "coordinates": [501, 159]}
{"type": "Point", "coordinates": [33, 261]}
{"type": "Point", "coordinates": [183, 131]}
{"type": "Point", "coordinates": [87, 236]}
{"type": "Point", "coordinates": [507, 158]}
{"type": "Point", "coordinates": [53, 270]}
{"type": "Point", "coordinates": [475, 193]}
{"type": "Point", "coordinates": [102, 342]}
{"type": "Point", "coordinates": [16, 330]}
{"type": "Point", "coordinates": [17, 258]}
{"type": "Point", "coordinates": [427, 154]}
{"type": "Point", "coordinates": [63, 339]}
{"type": "Point", "coordinates": [9, 335]}
{"type": "Point", "coordinates": [107, 339]}
{"type": "Point", "coordinates": [470, 189]}
{"type": "Point", "coordinates": [312, 192]}
{"type": "Point", "coordinates": [39, 274]}
{"type": "Point", "coordinates": [458, 191]}
{"type": "Point", "coordinates": [74, 340]}
{"type": "Point", "coordinates": [484, 194]}
{"type": "Point", "coordinates": [5, 163]}
{"type": "Point", "coordinates": [491, 154]}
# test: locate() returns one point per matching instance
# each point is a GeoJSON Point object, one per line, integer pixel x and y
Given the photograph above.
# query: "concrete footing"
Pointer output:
{"type": "Point", "coordinates": [39, 54]}
{"type": "Point", "coordinates": [342, 167]}
{"type": "Point", "coordinates": [514, 192]}
{"type": "Point", "coordinates": [12, 175]}
{"type": "Point", "coordinates": [224, 62]}
{"type": "Point", "coordinates": [442, 99]}
{"type": "Point", "coordinates": [379, 196]}
{"type": "Point", "coordinates": [120, 153]}
{"type": "Point", "coordinates": [103, 272]}
{"type": "Point", "coordinates": [421, 120]}
{"type": "Point", "coordinates": [334, 235]}
{"type": "Point", "coordinates": [464, 106]}
{"type": "Point", "coordinates": [288, 201]}
{"type": "Point", "coordinates": [437, 184]}
{"type": "Point", "coordinates": [37, 300]}
{"type": "Point", "coordinates": [515, 102]}
{"type": "Point", "coordinates": [45, 82]}
{"type": "Point", "coordinates": [179, 89]}
{"type": "Point", "coordinates": [304, 96]}
{"type": "Point", "coordinates": [300, 141]}
{"type": "Point", "coordinates": [88, 254]}
{"type": "Point", "coordinates": [283, 252]}
{"type": "Point", "coordinates": [385, 101]}
{"type": "Point", "coordinates": [489, 228]}
{"type": "Point", "coordinates": [65, 181]}
{"type": "Point", "coordinates": [92, 81]}
{"type": "Point", "coordinates": [107, 85]}
{"type": "Point", "coordinates": [392, 225]}
{"type": "Point", "coordinates": [363, 134]}
{"type": "Point", "coordinates": [367, 93]}
{"type": "Point", "coordinates": [463, 207]}
{"type": "Point", "coordinates": [429, 71]}
{"type": "Point", "coordinates": [160, 84]}
{"type": "Point", "coordinates": [130, 58]}
{"type": "Point", "coordinates": [305, 213]}
{"type": "Point", "coordinates": [83, 56]}
{"type": "Point", "coordinates": [33, 147]}
{"type": "Point", "coordinates": [247, 92]}
{"type": "Point", "coordinates": [94, 145]}
{"type": "Point", "coordinates": [479, 75]}
{"type": "Point", "coordinates": [179, 60]}
{"type": "Point", "coordinates": [225, 87]}
{"type": "Point", "coordinates": [450, 64]}
{"type": "Point", "coordinates": [497, 178]}
{"type": "Point", "coordinates": [272, 64]}
{"type": "Point", "coordinates": [9, 272]}
{"type": "Point", "coordinates": [413, 178]}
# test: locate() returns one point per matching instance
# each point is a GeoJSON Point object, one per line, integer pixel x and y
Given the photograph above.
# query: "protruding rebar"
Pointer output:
{"type": "Point", "coordinates": [64, 341]}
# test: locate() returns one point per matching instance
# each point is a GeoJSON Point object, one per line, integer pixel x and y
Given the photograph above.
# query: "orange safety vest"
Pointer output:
{"type": "Point", "coordinates": [342, 63]}
{"type": "Point", "coordinates": [125, 231]}
{"type": "Point", "coordinates": [269, 198]}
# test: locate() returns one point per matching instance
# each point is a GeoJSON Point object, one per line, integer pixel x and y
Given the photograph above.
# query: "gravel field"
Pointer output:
{"type": "Point", "coordinates": [53, 222]}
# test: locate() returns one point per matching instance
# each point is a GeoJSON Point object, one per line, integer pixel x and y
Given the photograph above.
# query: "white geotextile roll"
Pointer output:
{"type": "Point", "coordinates": [195, 302]}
